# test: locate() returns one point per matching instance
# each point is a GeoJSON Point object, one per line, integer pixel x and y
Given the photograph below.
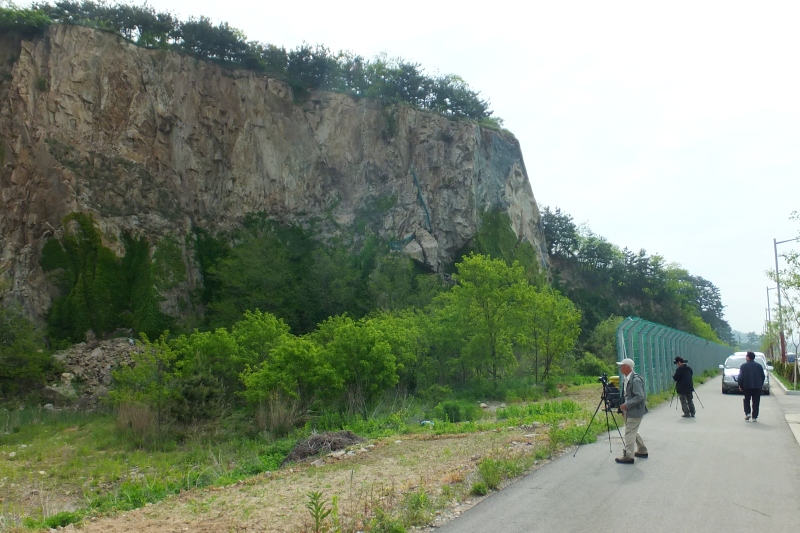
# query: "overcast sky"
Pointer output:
{"type": "Point", "coordinates": [672, 127]}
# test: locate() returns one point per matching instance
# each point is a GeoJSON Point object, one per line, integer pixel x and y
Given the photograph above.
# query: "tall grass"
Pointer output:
{"type": "Point", "coordinates": [279, 415]}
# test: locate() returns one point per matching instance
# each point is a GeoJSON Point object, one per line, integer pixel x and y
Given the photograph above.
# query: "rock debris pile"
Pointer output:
{"type": "Point", "coordinates": [87, 371]}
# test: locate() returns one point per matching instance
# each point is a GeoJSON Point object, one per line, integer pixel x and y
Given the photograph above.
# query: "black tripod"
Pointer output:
{"type": "Point", "coordinates": [694, 392]}
{"type": "Point", "coordinates": [610, 399]}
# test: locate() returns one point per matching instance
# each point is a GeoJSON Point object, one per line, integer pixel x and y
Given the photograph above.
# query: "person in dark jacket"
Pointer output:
{"type": "Point", "coordinates": [684, 386]}
{"type": "Point", "coordinates": [751, 379]}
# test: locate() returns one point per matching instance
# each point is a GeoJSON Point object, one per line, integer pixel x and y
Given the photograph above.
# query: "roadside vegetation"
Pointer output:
{"type": "Point", "coordinates": [93, 464]}
{"type": "Point", "coordinates": [785, 373]}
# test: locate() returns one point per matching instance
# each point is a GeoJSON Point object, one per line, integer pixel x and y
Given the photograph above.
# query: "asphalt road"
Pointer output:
{"type": "Point", "coordinates": [714, 472]}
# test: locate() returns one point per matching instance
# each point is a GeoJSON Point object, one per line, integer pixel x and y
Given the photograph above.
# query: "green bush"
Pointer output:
{"type": "Point", "coordinates": [384, 523]}
{"type": "Point", "coordinates": [479, 488]}
{"type": "Point", "coordinates": [418, 507]}
{"type": "Point", "coordinates": [490, 471]}
{"type": "Point", "coordinates": [590, 365]}
{"type": "Point", "coordinates": [24, 363]}
{"type": "Point", "coordinates": [457, 411]}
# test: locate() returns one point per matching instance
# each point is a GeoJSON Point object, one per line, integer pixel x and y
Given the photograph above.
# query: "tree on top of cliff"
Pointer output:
{"type": "Point", "coordinates": [27, 22]}
{"type": "Point", "coordinates": [304, 68]}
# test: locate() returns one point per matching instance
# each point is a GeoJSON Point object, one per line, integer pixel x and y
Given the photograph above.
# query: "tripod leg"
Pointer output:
{"type": "Point", "coordinates": [608, 427]}
{"type": "Point", "coordinates": [618, 431]}
{"type": "Point", "coordinates": [587, 427]}
{"type": "Point", "coordinates": [698, 399]}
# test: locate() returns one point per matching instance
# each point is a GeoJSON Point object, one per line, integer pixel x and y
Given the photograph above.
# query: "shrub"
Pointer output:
{"type": "Point", "coordinates": [418, 507]}
{"type": "Point", "coordinates": [490, 471]}
{"type": "Point", "coordinates": [457, 411]}
{"type": "Point", "coordinates": [479, 488]}
{"type": "Point", "coordinates": [24, 364]}
{"type": "Point", "coordinates": [590, 365]}
{"type": "Point", "coordinates": [384, 523]}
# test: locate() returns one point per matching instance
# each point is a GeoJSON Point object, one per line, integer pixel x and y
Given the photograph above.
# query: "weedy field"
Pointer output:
{"type": "Point", "coordinates": [60, 468]}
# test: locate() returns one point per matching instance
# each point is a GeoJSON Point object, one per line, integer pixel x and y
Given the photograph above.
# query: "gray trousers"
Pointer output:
{"type": "Point", "coordinates": [632, 436]}
{"type": "Point", "coordinates": [687, 403]}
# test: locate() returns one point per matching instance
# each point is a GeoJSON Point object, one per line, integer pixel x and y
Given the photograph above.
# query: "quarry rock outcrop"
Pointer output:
{"type": "Point", "coordinates": [156, 143]}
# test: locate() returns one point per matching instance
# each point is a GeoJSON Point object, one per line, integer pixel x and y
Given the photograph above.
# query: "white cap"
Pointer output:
{"type": "Point", "coordinates": [628, 362]}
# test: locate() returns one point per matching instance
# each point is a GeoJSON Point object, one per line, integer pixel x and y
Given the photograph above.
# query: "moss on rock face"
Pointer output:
{"type": "Point", "coordinates": [169, 268]}
{"type": "Point", "coordinates": [99, 291]}
{"type": "Point", "coordinates": [497, 239]}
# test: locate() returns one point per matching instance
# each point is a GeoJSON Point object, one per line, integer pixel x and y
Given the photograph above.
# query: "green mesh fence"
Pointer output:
{"type": "Point", "coordinates": [653, 347]}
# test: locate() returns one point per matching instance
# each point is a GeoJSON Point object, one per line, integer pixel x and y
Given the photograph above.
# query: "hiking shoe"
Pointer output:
{"type": "Point", "coordinates": [685, 415]}
{"type": "Point", "coordinates": [642, 455]}
{"type": "Point", "coordinates": [624, 460]}
{"type": "Point", "coordinates": [747, 417]}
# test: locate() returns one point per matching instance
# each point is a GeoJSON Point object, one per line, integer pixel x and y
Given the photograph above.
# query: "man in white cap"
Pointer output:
{"type": "Point", "coordinates": [634, 408]}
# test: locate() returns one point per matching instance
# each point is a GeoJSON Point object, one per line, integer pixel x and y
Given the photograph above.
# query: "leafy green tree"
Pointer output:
{"type": "Point", "coordinates": [402, 331]}
{"type": "Point", "coordinates": [560, 233]}
{"type": "Point", "coordinates": [556, 328]}
{"type": "Point", "coordinates": [150, 379]}
{"type": "Point", "coordinates": [200, 37]}
{"type": "Point", "coordinates": [312, 67]}
{"type": "Point", "coordinates": [100, 292]}
{"type": "Point", "coordinates": [362, 356]}
{"type": "Point", "coordinates": [212, 354]}
{"type": "Point", "coordinates": [442, 363]}
{"type": "Point", "coordinates": [257, 274]}
{"type": "Point", "coordinates": [256, 334]}
{"type": "Point", "coordinates": [26, 22]}
{"type": "Point", "coordinates": [603, 280]}
{"type": "Point", "coordinates": [296, 367]}
{"type": "Point", "coordinates": [487, 299]}
{"type": "Point", "coordinates": [603, 339]}
{"type": "Point", "coordinates": [24, 362]}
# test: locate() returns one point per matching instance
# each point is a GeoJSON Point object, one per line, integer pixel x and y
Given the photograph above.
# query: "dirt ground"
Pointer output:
{"type": "Point", "coordinates": [372, 474]}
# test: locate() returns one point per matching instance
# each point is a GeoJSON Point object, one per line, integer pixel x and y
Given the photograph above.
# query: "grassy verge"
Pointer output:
{"type": "Point", "coordinates": [786, 383]}
{"type": "Point", "coordinates": [85, 463]}
{"type": "Point", "coordinates": [551, 427]}
{"type": "Point", "coordinates": [81, 465]}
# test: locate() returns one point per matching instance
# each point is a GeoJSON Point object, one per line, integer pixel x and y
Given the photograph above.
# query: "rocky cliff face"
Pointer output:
{"type": "Point", "coordinates": [154, 142]}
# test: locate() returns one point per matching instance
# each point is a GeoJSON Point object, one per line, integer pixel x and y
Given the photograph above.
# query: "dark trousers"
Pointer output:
{"type": "Point", "coordinates": [755, 394]}
{"type": "Point", "coordinates": [687, 403]}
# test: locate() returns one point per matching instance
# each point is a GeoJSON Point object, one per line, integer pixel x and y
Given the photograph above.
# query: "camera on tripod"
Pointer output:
{"type": "Point", "coordinates": [610, 400]}
{"type": "Point", "coordinates": [611, 394]}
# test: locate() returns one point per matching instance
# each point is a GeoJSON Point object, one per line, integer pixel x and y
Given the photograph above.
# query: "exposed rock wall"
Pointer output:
{"type": "Point", "coordinates": [155, 142]}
